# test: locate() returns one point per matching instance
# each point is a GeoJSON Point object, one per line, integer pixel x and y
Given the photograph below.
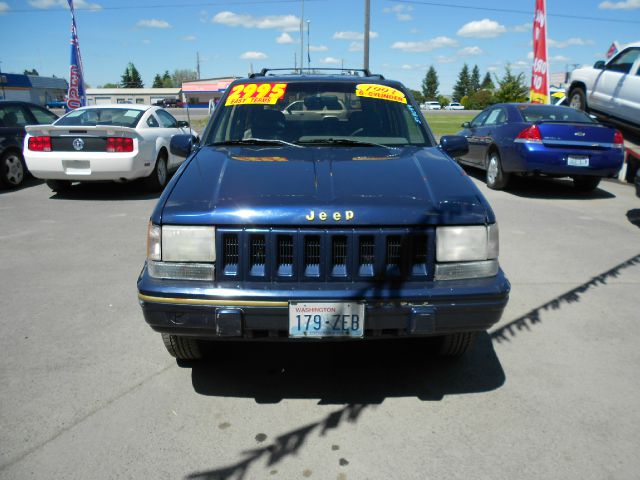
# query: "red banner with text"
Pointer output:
{"type": "Point", "coordinates": [540, 72]}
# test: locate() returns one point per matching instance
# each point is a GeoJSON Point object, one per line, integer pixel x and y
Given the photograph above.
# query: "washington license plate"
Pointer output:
{"type": "Point", "coordinates": [326, 319]}
{"type": "Point", "coordinates": [578, 161]}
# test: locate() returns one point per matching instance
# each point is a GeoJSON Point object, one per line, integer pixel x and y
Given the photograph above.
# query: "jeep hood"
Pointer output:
{"type": "Point", "coordinates": [321, 186]}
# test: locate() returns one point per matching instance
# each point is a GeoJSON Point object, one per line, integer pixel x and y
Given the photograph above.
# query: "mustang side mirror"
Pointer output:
{"type": "Point", "coordinates": [183, 124]}
{"type": "Point", "coordinates": [599, 65]}
{"type": "Point", "coordinates": [454, 145]}
{"type": "Point", "coordinates": [466, 125]}
{"type": "Point", "coordinates": [182, 145]}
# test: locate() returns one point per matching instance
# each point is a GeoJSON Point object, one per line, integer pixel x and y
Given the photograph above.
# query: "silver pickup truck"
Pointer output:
{"type": "Point", "coordinates": [609, 89]}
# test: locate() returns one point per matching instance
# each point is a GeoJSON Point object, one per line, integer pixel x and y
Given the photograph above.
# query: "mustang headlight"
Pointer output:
{"type": "Point", "coordinates": [181, 252]}
{"type": "Point", "coordinates": [466, 252]}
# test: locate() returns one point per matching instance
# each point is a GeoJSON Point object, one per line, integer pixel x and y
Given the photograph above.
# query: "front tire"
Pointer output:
{"type": "Point", "coordinates": [497, 179]}
{"type": "Point", "coordinates": [12, 169]}
{"type": "Point", "coordinates": [58, 185]}
{"type": "Point", "coordinates": [158, 178]}
{"type": "Point", "coordinates": [586, 184]}
{"type": "Point", "coordinates": [577, 99]}
{"type": "Point", "coordinates": [182, 348]}
{"type": "Point", "coordinates": [457, 344]}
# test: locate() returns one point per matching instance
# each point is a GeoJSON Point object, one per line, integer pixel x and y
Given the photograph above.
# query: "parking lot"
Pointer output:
{"type": "Point", "coordinates": [88, 390]}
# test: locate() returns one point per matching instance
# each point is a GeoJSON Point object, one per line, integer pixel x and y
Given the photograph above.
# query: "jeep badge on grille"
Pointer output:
{"type": "Point", "coordinates": [337, 216]}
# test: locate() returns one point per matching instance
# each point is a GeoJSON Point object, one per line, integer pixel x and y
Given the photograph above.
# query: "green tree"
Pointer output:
{"type": "Point", "coordinates": [185, 75]}
{"type": "Point", "coordinates": [511, 88]}
{"type": "Point", "coordinates": [474, 81]}
{"type": "Point", "coordinates": [157, 81]}
{"type": "Point", "coordinates": [110, 85]}
{"type": "Point", "coordinates": [462, 86]}
{"type": "Point", "coordinates": [167, 80]}
{"type": "Point", "coordinates": [430, 84]}
{"type": "Point", "coordinates": [131, 77]}
{"type": "Point", "coordinates": [487, 83]}
{"type": "Point", "coordinates": [479, 100]}
{"type": "Point", "coordinates": [417, 95]}
{"type": "Point", "coordinates": [444, 101]}
{"type": "Point", "coordinates": [32, 72]}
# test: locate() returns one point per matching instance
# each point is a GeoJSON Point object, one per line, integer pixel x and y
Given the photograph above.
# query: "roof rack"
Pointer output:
{"type": "Point", "coordinates": [359, 72]}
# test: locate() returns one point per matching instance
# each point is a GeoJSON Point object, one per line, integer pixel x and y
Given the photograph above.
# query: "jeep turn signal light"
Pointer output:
{"type": "Point", "coordinates": [40, 144]}
{"type": "Point", "coordinates": [119, 144]}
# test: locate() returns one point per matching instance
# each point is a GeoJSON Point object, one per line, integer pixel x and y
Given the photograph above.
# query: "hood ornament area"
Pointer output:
{"type": "Point", "coordinates": [336, 216]}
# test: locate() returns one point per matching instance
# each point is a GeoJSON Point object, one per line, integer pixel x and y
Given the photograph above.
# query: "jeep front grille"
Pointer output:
{"type": "Point", "coordinates": [325, 255]}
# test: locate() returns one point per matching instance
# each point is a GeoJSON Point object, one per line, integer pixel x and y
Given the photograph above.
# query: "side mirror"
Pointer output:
{"type": "Point", "coordinates": [183, 124]}
{"type": "Point", "coordinates": [454, 145]}
{"type": "Point", "coordinates": [599, 65]}
{"type": "Point", "coordinates": [182, 145]}
{"type": "Point", "coordinates": [466, 125]}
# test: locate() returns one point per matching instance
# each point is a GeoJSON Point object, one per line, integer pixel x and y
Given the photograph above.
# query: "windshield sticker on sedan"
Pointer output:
{"type": "Point", "coordinates": [381, 92]}
{"type": "Point", "coordinates": [256, 94]}
{"type": "Point", "coordinates": [414, 114]}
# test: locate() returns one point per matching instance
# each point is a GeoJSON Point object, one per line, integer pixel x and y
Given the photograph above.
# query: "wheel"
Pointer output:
{"type": "Point", "coordinates": [457, 344]}
{"type": "Point", "coordinates": [577, 99]}
{"type": "Point", "coordinates": [12, 169]}
{"type": "Point", "coordinates": [586, 184]}
{"type": "Point", "coordinates": [158, 178]}
{"type": "Point", "coordinates": [58, 185]}
{"type": "Point", "coordinates": [182, 348]}
{"type": "Point", "coordinates": [497, 179]}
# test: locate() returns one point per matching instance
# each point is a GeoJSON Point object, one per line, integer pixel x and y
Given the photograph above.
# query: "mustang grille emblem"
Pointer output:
{"type": "Point", "coordinates": [78, 144]}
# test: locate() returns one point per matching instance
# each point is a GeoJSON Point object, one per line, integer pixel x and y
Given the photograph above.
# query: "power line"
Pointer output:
{"type": "Point", "coordinates": [508, 10]}
{"type": "Point", "coordinates": [160, 5]}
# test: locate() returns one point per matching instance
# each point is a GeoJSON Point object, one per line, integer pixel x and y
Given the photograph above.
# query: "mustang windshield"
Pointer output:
{"type": "Point", "coordinates": [91, 117]}
{"type": "Point", "coordinates": [322, 114]}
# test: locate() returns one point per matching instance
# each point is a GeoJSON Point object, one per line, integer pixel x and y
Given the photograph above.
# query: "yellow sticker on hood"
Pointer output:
{"type": "Point", "coordinates": [382, 92]}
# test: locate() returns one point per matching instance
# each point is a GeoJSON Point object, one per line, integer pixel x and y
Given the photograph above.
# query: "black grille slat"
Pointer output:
{"type": "Point", "coordinates": [366, 256]}
{"type": "Point", "coordinates": [312, 256]}
{"type": "Point", "coordinates": [285, 255]}
{"type": "Point", "coordinates": [257, 255]}
{"type": "Point", "coordinates": [339, 251]}
{"type": "Point", "coordinates": [394, 255]}
{"type": "Point", "coordinates": [419, 256]}
{"type": "Point", "coordinates": [230, 253]}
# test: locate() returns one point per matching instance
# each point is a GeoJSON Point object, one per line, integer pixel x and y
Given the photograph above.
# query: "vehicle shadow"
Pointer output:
{"type": "Point", "coordinates": [101, 191]}
{"type": "Point", "coordinates": [544, 187]}
{"type": "Point", "coordinates": [633, 216]}
{"type": "Point", "coordinates": [343, 372]}
{"type": "Point", "coordinates": [27, 183]}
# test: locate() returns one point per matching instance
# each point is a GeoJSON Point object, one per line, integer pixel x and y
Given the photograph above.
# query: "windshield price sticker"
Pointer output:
{"type": "Point", "coordinates": [381, 92]}
{"type": "Point", "coordinates": [326, 319]}
{"type": "Point", "coordinates": [256, 94]}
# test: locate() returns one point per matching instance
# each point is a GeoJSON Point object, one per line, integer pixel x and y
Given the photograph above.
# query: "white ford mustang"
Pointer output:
{"type": "Point", "coordinates": [105, 142]}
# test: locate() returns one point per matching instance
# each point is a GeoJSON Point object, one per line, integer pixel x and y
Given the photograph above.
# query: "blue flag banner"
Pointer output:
{"type": "Point", "coordinates": [75, 97]}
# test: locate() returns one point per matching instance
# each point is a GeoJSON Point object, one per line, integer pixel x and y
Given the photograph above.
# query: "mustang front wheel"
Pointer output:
{"type": "Point", "coordinates": [158, 178]}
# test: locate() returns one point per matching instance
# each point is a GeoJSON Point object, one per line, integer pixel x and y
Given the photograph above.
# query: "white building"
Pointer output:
{"type": "Point", "coordinates": [145, 96]}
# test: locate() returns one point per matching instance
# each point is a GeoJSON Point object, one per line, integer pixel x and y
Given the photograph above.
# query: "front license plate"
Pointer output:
{"type": "Point", "coordinates": [578, 161]}
{"type": "Point", "coordinates": [326, 319]}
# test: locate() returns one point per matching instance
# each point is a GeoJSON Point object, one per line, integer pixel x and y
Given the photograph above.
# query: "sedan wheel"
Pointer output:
{"type": "Point", "coordinates": [12, 169]}
{"type": "Point", "coordinates": [497, 179]}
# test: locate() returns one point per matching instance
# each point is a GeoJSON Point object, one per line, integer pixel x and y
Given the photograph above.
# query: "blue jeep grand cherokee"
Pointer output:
{"type": "Point", "coordinates": [320, 207]}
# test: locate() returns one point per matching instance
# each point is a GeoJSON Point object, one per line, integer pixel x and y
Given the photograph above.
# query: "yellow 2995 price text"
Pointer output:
{"type": "Point", "coordinates": [256, 94]}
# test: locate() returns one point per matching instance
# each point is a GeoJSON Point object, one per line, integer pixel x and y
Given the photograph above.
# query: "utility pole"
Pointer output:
{"type": "Point", "coordinates": [308, 42]}
{"type": "Point", "coordinates": [302, 38]}
{"type": "Point", "coordinates": [198, 64]}
{"type": "Point", "coordinates": [367, 13]}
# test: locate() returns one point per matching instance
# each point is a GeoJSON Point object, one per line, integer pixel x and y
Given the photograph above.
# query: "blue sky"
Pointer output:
{"type": "Point", "coordinates": [407, 37]}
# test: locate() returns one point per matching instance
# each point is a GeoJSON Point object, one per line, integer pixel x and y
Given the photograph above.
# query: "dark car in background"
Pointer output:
{"type": "Point", "coordinates": [300, 228]}
{"type": "Point", "coordinates": [533, 139]}
{"type": "Point", "coordinates": [14, 116]}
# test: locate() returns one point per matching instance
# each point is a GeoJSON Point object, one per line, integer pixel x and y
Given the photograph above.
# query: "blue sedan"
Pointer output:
{"type": "Point", "coordinates": [532, 139]}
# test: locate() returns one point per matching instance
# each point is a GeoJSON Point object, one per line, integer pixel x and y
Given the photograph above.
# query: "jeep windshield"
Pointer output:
{"type": "Point", "coordinates": [319, 114]}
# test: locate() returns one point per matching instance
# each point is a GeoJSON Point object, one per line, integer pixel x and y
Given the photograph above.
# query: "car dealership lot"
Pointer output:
{"type": "Point", "coordinates": [88, 390]}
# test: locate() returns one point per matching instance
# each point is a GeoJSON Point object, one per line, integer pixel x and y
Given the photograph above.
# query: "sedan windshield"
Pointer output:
{"type": "Point", "coordinates": [322, 114]}
{"type": "Point", "coordinates": [549, 113]}
{"type": "Point", "coordinates": [90, 117]}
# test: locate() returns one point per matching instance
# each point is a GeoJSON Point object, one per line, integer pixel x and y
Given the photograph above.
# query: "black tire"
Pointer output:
{"type": "Point", "coordinates": [157, 180]}
{"type": "Point", "coordinates": [457, 344]}
{"type": "Point", "coordinates": [578, 99]}
{"type": "Point", "coordinates": [12, 169]}
{"type": "Point", "coordinates": [182, 348]}
{"type": "Point", "coordinates": [58, 185]}
{"type": "Point", "coordinates": [586, 184]}
{"type": "Point", "coordinates": [496, 177]}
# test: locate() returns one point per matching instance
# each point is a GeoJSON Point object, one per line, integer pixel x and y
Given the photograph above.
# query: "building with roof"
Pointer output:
{"type": "Point", "coordinates": [198, 93]}
{"type": "Point", "coordinates": [145, 96]}
{"type": "Point", "coordinates": [31, 88]}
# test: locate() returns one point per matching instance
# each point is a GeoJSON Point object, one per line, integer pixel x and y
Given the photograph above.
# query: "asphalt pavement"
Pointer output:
{"type": "Point", "coordinates": [89, 392]}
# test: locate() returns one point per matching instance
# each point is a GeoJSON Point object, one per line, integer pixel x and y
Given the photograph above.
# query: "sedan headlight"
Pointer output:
{"type": "Point", "coordinates": [466, 252]}
{"type": "Point", "coordinates": [181, 252]}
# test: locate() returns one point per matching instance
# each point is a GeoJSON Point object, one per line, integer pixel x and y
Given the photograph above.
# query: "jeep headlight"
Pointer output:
{"type": "Point", "coordinates": [181, 252]}
{"type": "Point", "coordinates": [466, 252]}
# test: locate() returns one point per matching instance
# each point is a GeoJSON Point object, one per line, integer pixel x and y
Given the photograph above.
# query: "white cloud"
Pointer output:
{"type": "Point", "coordinates": [484, 28]}
{"type": "Point", "coordinates": [190, 38]}
{"type": "Point", "coordinates": [330, 61]}
{"type": "Point", "coordinates": [445, 59]}
{"type": "Point", "coordinates": [253, 56]}
{"type": "Point", "coordinates": [318, 48]}
{"type": "Point", "coordinates": [286, 23]}
{"type": "Point", "coordinates": [625, 5]}
{"type": "Point", "coordinates": [401, 12]}
{"type": "Point", "coordinates": [153, 23]}
{"type": "Point", "coordinates": [523, 27]}
{"type": "Point", "coordinates": [353, 35]}
{"type": "Point", "coordinates": [406, 67]}
{"type": "Point", "coordinates": [4, 7]}
{"type": "Point", "coordinates": [284, 39]}
{"type": "Point", "coordinates": [470, 51]}
{"type": "Point", "coordinates": [425, 45]}
{"type": "Point", "coordinates": [356, 47]}
{"type": "Point", "coordinates": [78, 5]}
{"type": "Point", "coordinates": [520, 65]}
{"type": "Point", "coordinates": [571, 42]}
{"type": "Point", "coordinates": [559, 58]}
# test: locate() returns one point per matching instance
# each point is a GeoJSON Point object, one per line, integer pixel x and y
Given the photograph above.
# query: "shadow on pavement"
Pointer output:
{"type": "Point", "coordinates": [101, 191]}
{"type": "Point", "coordinates": [27, 183]}
{"type": "Point", "coordinates": [344, 372]}
{"type": "Point", "coordinates": [633, 216]}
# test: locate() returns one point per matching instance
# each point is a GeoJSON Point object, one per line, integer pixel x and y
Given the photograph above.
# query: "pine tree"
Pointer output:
{"type": "Point", "coordinates": [167, 80]}
{"type": "Point", "coordinates": [430, 84]}
{"type": "Point", "coordinates": [157, 81]}
{"type": "Point", "coordinates": [474, 81]}
{"type": "Point", "coordinates": [131, 77]}
{"type": "Point", "coordinates": [487, 83]}
{"type": "Point", "coordinates": [511, 88]}
{"type": "Point", "coordinates": [462, 86]}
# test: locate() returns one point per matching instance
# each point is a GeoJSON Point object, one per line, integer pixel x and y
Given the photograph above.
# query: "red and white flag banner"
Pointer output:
{"type": "Point", "coordinates": [540, 73]}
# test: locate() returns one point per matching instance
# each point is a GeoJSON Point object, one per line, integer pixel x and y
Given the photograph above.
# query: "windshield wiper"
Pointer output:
{"type": "Point", "coordinates": [345, 141]}
{"type": "Point", "coordinates": [256, 141]}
